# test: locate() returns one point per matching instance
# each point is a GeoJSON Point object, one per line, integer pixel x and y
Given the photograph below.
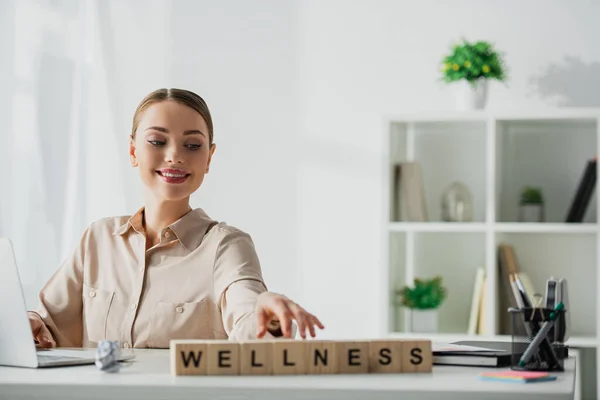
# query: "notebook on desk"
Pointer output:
{"type": "Point", "coordinates": [474, 354]}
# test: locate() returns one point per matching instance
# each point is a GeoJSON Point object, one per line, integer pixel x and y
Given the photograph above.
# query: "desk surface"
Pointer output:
{"type": "Point", "coordinates": [148, 377]}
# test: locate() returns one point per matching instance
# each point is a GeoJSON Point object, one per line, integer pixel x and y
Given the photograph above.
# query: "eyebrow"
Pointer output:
{"type": "Point", "coordinates": [165, 130]}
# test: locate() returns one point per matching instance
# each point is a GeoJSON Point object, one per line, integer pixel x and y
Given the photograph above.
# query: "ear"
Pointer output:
{"type": "Point", "coordinates": [132, 156]}
{"type": "Point", "coordinates": [210, 154]}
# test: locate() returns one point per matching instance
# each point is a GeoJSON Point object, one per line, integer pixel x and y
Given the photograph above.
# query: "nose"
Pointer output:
{"type": "Point", "coordinates": [174, 155]}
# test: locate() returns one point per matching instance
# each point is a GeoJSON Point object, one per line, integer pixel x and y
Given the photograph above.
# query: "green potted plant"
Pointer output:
{"type": "Point", "coordinates": [468, 67]}
{"type": "Point", "coordinates": [423, 299]}
{"type": "Point", "coordinates": [531, 205]}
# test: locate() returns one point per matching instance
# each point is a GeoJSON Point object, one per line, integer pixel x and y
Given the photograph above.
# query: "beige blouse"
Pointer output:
{"type": "Point", "coordinates": [200, 282]}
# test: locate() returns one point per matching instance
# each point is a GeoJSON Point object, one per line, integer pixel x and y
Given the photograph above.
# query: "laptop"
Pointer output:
{"type": "Point", "coordinates": [17, 345]}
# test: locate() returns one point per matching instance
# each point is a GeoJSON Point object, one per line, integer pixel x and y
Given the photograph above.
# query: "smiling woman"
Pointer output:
{"type": "Point", "coordinates": [168, 271]}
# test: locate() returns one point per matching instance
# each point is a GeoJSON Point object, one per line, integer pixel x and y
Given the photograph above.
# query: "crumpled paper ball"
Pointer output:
{"type": "Point", "coordinates": [107, 356]}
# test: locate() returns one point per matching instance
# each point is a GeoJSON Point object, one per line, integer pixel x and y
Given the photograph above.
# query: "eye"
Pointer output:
{"type": "Point", "coordinates": [193, 147]}
{"type": "Point", "coordinates": [156, 142]}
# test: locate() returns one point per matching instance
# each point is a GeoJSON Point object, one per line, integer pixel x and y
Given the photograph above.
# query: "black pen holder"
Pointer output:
{"type": "Point", "coordinates": [527, 326]}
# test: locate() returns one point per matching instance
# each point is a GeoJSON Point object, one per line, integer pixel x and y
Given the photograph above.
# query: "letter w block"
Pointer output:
{"type": "Point", "coordinates": [188, 357]}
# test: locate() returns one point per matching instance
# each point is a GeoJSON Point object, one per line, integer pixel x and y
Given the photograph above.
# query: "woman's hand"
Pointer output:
{"type": "Point", "coordinates": [270, 306]}
{"type": "Point", "coordinates": [41, 334]}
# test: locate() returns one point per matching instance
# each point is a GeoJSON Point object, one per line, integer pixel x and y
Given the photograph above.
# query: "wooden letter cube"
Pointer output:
{"type": "Point", "coordinates": [289, 357]}
{"type": "Point", "coordinates": [321, 357]}
{"type": "Point", "coordinates": [353, 357]}
{"type": "Point", "coordinates": [417, 356]}
{"type": "Point", "coordinates": [223, 357]}
{"type": "Point", "coordinates": [188, 357]}
{"type": "Point", "coordinates": [256, 357]}
{"type": "Point", "coordinates": [385, 356]}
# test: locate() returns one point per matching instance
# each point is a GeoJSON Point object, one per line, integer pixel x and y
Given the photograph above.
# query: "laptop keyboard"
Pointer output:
{"type": "Point", "coordinates": [49, 358]}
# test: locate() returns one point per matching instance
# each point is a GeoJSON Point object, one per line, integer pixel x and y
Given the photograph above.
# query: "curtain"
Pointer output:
{"type": "Point", "coordinates": [66, 115]}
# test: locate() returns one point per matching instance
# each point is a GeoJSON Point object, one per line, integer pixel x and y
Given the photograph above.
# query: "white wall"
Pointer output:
{"type": "Point", "coordinates": [298, 90]}
{"type": "Point", "coordinates": [364, 59]}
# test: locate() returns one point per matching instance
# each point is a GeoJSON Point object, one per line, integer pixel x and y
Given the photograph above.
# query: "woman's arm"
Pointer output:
{"type": "Point", "coordinates": [60, 306]}
{"type": "Point", "coordinates": [248, 310]}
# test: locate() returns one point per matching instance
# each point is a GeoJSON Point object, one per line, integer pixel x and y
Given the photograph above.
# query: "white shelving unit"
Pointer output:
{"type": "Point", "coordinates": [495, 155]}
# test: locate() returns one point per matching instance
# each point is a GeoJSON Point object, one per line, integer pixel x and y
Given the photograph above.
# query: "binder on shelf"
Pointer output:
{"type": "Point", "coordinates": [507, 267]}
{"type": "Point", "coordinates": [583, 194]}
{"type": "Point", "coordinates": [409, 199]}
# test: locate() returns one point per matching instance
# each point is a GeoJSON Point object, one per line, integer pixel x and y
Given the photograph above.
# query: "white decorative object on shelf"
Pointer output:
{"type": "Point", "coordinates": [470, 96]}
{"type": "Point", "coordinates": [424, 321]}
{"type": "Point", "coordinates": [457, 203]}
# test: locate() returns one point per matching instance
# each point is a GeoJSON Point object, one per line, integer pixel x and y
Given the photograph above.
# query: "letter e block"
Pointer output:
{"type": "Point", "coordinates": [223, 357]}
{"type": "Point", "coordinates": [353, 356]}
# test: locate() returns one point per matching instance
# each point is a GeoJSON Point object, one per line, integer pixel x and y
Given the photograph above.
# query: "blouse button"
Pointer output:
{"type": "Point", "coordinates": [92, 294]}
{"type": "Point", "coordinates": [167, 234]}
{"type": "Point", "coordinates": [126, 345]}
{"type": "Point", "coordinates": [179, 309]}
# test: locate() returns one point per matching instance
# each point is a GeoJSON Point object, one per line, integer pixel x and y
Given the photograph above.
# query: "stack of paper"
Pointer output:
{"type": "Point", "coordinates": [517, 376]}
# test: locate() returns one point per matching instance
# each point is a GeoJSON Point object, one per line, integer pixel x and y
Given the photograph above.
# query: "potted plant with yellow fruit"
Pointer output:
{"type": "Point", "coordinates": [423, 300]}
{"type": "Point", "coordinates": [469, 67]}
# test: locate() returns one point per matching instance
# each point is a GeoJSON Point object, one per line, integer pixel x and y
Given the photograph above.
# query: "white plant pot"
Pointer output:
{"type": "Point", "coordinates": [470, 96]}
{"type": "Point", "coordinates": [424, 321]}
{"type": "Point", "coordinates": [531, 213]}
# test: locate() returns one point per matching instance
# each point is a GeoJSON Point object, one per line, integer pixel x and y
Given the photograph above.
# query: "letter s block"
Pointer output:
{"type": "Point", "coordinates": [417, 356]}
{"type": "Point", "coordinates": [385, 356]}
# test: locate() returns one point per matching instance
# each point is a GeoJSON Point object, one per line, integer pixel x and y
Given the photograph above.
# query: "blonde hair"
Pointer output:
{"type": "Point", "coordinates": [181, 96]}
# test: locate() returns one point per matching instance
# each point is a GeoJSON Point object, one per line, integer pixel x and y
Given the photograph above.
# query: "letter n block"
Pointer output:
{"type": "Point", "coordinates": [385, 356]}
{"type": "Point", "coordinates": [223, 357]}
{"type": "Point", "coordinates": [289, 357]}
{"type": "Point", "coordinates": [353, 356]}
{"type": "Point", "coordinates": [321, 357]}
{"type": "Point", "coordinates": [188, 357]}
{"type": "Point", "coordinates": [417, 356]}
{"type": "Point", "coordinates": [256, 357]}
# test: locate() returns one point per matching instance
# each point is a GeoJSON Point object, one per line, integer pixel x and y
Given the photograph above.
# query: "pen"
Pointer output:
{"type": "Point", "coordinates": [541, 335]}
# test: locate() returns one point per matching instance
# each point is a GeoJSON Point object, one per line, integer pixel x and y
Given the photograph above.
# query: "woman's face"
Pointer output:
{"type": "Point", "coordinates": [171, 150]}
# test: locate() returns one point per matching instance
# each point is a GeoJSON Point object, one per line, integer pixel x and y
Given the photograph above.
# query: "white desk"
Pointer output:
{"type": "Point", "coordinates": [149, 378]}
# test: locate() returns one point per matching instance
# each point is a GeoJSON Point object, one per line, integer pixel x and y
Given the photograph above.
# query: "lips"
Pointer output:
{"type": "Point", "coordinates": [174, 176]}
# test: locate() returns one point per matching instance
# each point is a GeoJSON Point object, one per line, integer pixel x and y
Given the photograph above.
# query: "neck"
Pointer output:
{"type": "Point", "coordinates": [158, 214]}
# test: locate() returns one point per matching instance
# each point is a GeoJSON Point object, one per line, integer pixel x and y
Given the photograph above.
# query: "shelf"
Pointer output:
{"type": "Point", "coordinates": [529, 115]}
{"type": "Point", "coordinates": [501, 227]}
{"type": "Point", "coordinates": [546, 227]}
{"type": "Point", "coordinates": [577, 341]}
{"type": "Point", "coordinates": [449, 227]}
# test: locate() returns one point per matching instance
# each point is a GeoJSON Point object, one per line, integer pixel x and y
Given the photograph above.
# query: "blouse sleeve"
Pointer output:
{"type": "Point", "coordinates": [238, 282]}
{"type": "Point", "coordinates": [60, 301]}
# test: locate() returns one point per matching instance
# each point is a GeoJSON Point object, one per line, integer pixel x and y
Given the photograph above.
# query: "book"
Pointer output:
{"type": "Point", "coordinates": [474, 354]}
{"type": "Point", "coordinates": [476, 301]}
{"type": "Point", "coordinates": [507, 266]}
{"type": "Point", "coordinates": [583, 194]}
{"type": "Point", "coordinates": [481, 326]}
